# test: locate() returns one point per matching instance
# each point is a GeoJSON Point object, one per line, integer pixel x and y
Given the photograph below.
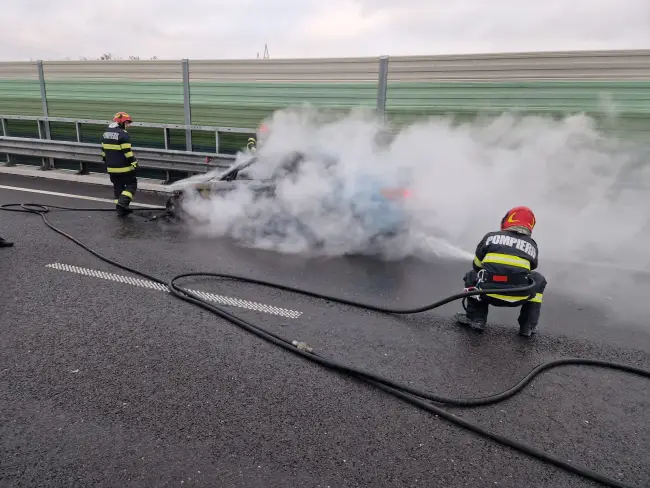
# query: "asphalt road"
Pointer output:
{"type": "Point", "coordinates": [107, 383]}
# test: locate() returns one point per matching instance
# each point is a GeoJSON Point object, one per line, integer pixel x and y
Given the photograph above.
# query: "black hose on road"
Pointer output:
{"type": "Point", "coordinates": [416, 397]}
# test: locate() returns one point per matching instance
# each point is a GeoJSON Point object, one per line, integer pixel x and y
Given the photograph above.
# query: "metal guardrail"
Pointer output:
{"type": "Point", "coordinates": [44, 130]}
{"type": "Point", "coordinates": [160, 159]}
{"type": "Point", "coordinates": [210, 128]}
{"type": "Point", "coordinates": [151, 158]}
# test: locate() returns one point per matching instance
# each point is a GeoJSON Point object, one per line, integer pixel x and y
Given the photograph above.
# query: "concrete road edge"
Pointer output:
{"type": "Point", "coordinates": [144, 184]}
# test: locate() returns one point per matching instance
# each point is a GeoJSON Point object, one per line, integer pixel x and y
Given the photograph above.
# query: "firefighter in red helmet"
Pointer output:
{"type": "Point", "coordinates": [505, 259]}
{"type": "Point", "coordinates": [120, 161]}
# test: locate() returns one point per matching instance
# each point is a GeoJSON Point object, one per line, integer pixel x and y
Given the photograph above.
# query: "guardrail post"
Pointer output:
{"type": "Point", "coordinates": [48, 163]}
{"type": "Point", "coordinates": [186, 103]}
{"type": "Point", "coordinates": [382, 86]}
{"type": "Point", "coordinates": [168, 143]}
{"type": "Point", "coordinates": [167, 137]}
{"type": "Point", "coordinates": [83, 166]}
{"type": "Point", "coordinates": [5, 133]}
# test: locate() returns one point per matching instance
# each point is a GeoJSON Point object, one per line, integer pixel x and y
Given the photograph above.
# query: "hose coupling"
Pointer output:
{"type": "Point", "coordinates": [303, 346]}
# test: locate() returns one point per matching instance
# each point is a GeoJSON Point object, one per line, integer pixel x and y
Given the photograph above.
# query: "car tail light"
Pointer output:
{"type": "Point", "coordinates": [395, 193]}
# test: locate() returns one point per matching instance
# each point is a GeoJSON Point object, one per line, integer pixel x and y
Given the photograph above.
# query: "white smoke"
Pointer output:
{"type": "Point", "coordinates": [589, 191]}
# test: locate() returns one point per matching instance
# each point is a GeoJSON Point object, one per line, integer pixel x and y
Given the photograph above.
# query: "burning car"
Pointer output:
{"type": "Point", "coordinates": [349, 204]}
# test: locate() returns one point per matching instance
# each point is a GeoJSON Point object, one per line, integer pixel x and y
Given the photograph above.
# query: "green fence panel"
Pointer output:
{"type": "Point", "coordinates": [155, 102]}
{"type": "Point", "coordinates": [20, 97]}
{"type": "Point", "coordinates": [242, 93]}
{"type": "Point", "coordinates": [622, 107]}
{"type": "Point", "coordinates": [20, 92]}
{"type": "Point", "coordinates": [247, 104]}
{"type": "Point", "coordinates": [150, 91]}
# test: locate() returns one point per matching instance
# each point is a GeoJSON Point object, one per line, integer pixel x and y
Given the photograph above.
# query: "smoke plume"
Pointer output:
{"type": "Point", "coordinates": [588, 190]}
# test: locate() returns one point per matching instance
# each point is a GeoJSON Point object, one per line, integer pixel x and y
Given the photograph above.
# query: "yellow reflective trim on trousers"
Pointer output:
{"type": "Point", "coordinates": [510, 298]}
{"type": "Point", "coordinates": [126, 169]}
{"type": "Point", "coordinates": [507, 259]}
{"type": "Point", "coordinates": [128, 194]}
{"type": "Point", "coordinates": [129, 154]}
{"type": "Point", "coordinates": [478, 262]}
{"type": "Point", "coordinates": [507, 298]}
{"type": "Point", "coordinates": [114, 147]}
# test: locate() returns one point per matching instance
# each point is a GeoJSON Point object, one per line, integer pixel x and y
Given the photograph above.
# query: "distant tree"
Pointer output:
{"type": "Point", "coordinates": [108, 57]}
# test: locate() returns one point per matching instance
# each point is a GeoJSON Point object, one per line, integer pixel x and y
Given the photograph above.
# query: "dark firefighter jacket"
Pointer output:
{"type": "Point", "coordinates": [117, 153]}
{"type": "Point", "coordinates": [507, 258]}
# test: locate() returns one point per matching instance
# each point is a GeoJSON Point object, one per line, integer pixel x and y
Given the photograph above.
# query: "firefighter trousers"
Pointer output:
{"type": "Point", "coordinates": [477, 309]}
{"type": "Point", "coordinates": [124, 188]}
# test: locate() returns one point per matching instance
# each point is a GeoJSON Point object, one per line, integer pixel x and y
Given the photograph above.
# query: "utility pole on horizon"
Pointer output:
{"type": "Point", "coordinates": [266, 52]}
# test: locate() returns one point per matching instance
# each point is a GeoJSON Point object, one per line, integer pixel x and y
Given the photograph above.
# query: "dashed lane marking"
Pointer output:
{"type": "Point", "coordinates": [70, 195]}
{"type": "Point", "coordinates": [212, 297]}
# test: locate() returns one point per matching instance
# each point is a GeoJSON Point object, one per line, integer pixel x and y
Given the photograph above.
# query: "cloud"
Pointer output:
{"type": "Point", "coordinates": [347, 21]}
{"type": "Point", "coordinates": [210, 29]}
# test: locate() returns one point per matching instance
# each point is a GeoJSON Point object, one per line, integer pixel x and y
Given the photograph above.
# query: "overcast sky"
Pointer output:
{"type": "Point", "coordinates": [213, 29]}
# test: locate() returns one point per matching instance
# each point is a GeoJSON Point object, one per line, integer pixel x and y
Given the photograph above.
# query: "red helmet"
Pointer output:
{"type": "Point", "coordinates": [518, 216]}
{"type": "Point", "coordinates": [121, 117]}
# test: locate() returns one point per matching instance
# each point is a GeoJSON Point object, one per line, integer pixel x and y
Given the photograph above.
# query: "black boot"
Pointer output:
{"type": "Point", "coordinates": [527, 329]}
{"type": "Point", "coordinates": [5, 243]}
{"type": "Point", "coordinates": [122, 210]}
{"type": "Point", "coordinates": [476, 324]}
{"type": "Point", "coordinates": [477, 309]}
{"type": "Point", "coordinates": [123, 203]}
{"type": "Point", "coordinates": [528, 319]}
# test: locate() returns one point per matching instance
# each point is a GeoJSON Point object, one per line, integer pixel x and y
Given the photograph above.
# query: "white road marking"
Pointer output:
{"type": "Point", "coordinates": [70, 195]}
{"type": "Point", "coordinates": [234, 302]}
